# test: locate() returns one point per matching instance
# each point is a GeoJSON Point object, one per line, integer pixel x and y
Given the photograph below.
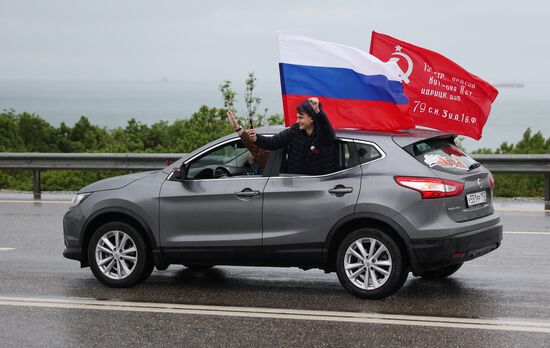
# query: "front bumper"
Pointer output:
{"type": "Point", "coordinates": [72, 227]}
{"type": "Point", "coordinates": [435, 253]}
{"type": "Point", "coordinates": [73, 254]}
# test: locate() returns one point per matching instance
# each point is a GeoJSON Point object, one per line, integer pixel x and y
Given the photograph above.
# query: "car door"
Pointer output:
{"type": "Point", "coordinates": [215, 214]}
{"type": "Point", "coordinates": [299, 210]}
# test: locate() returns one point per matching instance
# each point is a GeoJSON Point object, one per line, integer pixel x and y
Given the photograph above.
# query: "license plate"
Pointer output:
{"type": "Point", "coordinates": [476, 198]}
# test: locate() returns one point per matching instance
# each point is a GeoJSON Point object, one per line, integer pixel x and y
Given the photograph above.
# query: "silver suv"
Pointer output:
{"type": "Point", "coordinates": [399, 202]}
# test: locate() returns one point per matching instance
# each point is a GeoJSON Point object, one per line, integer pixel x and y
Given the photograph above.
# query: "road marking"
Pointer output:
{"type": "Point", "coordinates": [6, 249]}
{"type": "Point", "coordinates": [524, 210]}
{"type": "Point", "coordinates": [280, 313]}
{"type": "Point", "coordinates": [526, 232]}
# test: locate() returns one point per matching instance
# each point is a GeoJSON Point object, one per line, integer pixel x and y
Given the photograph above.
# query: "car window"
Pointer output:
{"type": "Point", "coordinates": [229, 160]}
{"type": "Point", "coordinates": [367, 152]}
{"type": "Point", "coordinates": [345, 157]}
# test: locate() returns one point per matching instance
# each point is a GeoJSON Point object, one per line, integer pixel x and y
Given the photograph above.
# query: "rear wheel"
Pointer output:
{"type": "Point", "coordinates": [118, 255]}
{"type": "Point", "coordinates": [442, 272]}
{"type": "Point", "coordinates": [370, 265]}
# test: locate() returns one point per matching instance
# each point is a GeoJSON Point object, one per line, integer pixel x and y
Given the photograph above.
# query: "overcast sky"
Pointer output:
{"type": "Point", "coordinates": [215, 40]}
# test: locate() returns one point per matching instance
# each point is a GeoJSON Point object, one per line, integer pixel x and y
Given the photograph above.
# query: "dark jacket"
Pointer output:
{"type": "Point", "coordinates": [301, 160]}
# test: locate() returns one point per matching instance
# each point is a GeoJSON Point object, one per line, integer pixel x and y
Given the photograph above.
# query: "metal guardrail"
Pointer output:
{"type": "Point", "coordinates": [527, 164]}
{"type": "Point", "coordinates": [37, 162]}
{"type": "Point", "coordinates": [78, 161]}
{"type": "Point", "coordinates": [532, 164]}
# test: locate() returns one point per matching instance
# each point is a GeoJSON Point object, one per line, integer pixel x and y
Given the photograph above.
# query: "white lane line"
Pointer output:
{"type": "Point", "coordinates": [6, 249]}
{"type": "Point", "coordinates": [527, 232]}
{"type": "Point", "coordinates": [281, 313]}
{"type": "Point", "coordinates": [524, 210]}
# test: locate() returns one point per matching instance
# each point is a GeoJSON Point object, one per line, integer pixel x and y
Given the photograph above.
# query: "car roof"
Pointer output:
{"type": "Point", "coordinates": [401, 137]}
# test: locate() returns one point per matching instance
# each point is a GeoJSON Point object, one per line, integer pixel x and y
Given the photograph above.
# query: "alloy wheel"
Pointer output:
{"type": "Point", "coordinates": [368, 263]}
{"type": "Point", "coordinates": [116, 255]}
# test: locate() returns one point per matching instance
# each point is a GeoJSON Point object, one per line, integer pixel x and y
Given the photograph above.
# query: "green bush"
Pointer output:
{"type": "Point", "coordinates": [20, 180]}
{"type": "Point", "coordinates": [73, 180]}
{"type": "Point", "coordinates": [521, 185]}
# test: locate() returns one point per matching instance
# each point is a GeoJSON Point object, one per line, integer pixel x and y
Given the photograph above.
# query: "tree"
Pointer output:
{"type": "Point", "coordinates": [36, 134]}
{"type": "Point", "coordinates": [228, 95]}
{"type": "Point", "coordinates": [528, 144]}
{"type": "Point", "coordinates": [252, 103]}
{"type": "Point", "coordinates": [9, 132]}
{"type": "Point", "coordinates": [205, 125]}
{"type": "Point", "coordinates": [82, 137]}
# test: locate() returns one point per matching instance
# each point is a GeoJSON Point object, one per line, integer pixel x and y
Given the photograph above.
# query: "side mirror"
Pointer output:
{"type": "Point", "coordinates": [180, 173]}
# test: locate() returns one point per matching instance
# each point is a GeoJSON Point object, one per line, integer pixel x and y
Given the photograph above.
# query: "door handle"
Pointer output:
{"type": "Point", "coordinates": [247, 193]}
{"type": "Point", "coordinates": [340, 190]}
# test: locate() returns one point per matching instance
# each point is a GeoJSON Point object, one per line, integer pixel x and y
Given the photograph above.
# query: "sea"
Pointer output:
{"type": "Point", "coordinates": [111, 104]}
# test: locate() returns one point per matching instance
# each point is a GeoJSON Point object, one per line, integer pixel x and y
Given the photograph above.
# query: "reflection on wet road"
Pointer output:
{"type": "Point", "coordinates": [499, 299]}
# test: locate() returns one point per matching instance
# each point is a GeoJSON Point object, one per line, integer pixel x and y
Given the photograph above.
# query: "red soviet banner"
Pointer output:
{"type": "Point", "coordinates": [442, 94]}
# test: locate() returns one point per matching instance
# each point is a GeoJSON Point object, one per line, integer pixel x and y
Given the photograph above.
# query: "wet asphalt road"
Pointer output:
{"type": "Point", "coordinates": [509, 284]}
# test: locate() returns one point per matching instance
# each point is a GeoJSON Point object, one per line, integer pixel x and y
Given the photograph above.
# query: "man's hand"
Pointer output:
{"type": "Point", "coordinates": [314, 101]}
{"type": "Point", "coordinates": [231, 118]}
{"type": "Point", "coordinates": [252, 134]}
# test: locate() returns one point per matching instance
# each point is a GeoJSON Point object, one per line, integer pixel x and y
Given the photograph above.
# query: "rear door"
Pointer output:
{"type": "Point", "coordinates": [299, 210]}
{"type": "Point", "coordinates": [447, 161]}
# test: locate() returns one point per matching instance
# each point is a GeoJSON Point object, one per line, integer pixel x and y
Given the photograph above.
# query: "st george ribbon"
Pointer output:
{"type": "Point", "coordinates": [442, 94]}
{"type": "Point", "coordinates": [356, 89]}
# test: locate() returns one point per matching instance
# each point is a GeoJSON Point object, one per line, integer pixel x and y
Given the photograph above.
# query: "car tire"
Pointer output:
{"type": "Point", "coordinates": [370, 265]}
{"type": "Point", "coordinates": [119, 256]}
{"type": "Point", "coordinates": [442, 272]}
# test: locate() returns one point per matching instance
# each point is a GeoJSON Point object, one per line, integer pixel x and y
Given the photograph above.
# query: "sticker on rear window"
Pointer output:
{"type": "Point", "coordinates": [445, 162]}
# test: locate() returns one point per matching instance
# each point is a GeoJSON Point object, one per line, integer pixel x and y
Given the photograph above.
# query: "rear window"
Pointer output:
{"type": "Point", "coordinates": [442, 154]}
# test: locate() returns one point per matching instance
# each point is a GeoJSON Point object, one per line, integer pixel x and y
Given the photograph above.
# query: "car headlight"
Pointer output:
{"type": "Point", "coordinates": [77, 199]}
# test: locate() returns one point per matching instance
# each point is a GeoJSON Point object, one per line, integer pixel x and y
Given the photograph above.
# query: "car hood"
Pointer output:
{"type": "Point", "coordinates": [116, 182]}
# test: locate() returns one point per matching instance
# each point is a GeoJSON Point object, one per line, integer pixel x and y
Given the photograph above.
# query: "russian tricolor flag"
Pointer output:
{"type": "Point", "coordinates": [357, 90]}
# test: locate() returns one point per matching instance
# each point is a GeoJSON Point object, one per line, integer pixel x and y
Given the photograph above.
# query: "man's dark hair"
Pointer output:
{"type": "Point", "coordinates": [305, 108]}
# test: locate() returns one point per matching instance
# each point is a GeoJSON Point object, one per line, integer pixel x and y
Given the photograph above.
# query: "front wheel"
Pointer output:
{"type": "Point", "coordinates": [370, 265]}
{"type": "Point", "coordinates": [118, 255]}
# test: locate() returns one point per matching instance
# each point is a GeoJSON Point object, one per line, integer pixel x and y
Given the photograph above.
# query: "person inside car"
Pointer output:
{"type": "Point", "coordinates": [258, 156]}
{"type": "Point", "coordinates": [310, 141]}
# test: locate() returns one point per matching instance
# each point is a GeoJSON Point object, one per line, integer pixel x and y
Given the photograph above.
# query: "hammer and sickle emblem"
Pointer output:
{"type": "Point", "coordinates": [403, 75]}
